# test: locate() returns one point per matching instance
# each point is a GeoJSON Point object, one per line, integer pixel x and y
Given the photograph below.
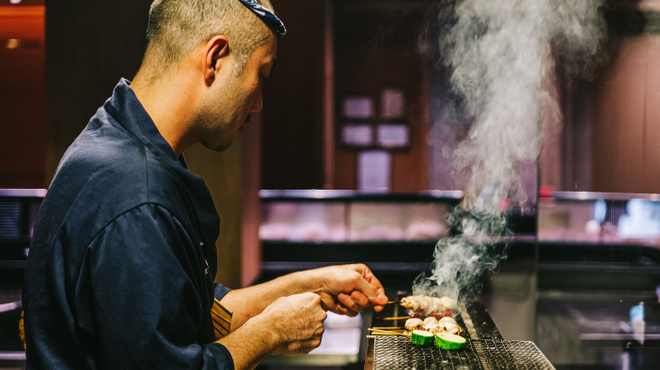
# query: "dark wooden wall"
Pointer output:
{"type": "Point", "coordinates": [90, 45]}
{"type": "Point", "coordinates": [292, 130]}
{"type": "Point", "coordinates": [626, 128]}
{"type": "Point", "coordinates": [376, 47]}
{"type": "Point", "coordinates": [22, 97]}
{"type": "Point", "coordinates": [369, 54]}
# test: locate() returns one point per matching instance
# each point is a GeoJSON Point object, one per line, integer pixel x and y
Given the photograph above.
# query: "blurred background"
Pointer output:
{"type": "Point", "coordinates": [352, 160]}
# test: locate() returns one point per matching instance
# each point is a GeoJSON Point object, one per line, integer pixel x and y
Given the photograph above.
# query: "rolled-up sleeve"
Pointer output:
{"type": "Point", "coordinates": [220, 291]}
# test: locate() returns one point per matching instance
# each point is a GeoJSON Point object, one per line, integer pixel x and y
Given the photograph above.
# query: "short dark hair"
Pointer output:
{"type": "Point", "coordinates": [177, 27]}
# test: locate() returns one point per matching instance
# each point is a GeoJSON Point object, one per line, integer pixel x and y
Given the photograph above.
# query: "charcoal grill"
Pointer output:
{"type": "Point", "coordinates": [396, 352]}
{"type": "Point", "coordinates": [485, 348]}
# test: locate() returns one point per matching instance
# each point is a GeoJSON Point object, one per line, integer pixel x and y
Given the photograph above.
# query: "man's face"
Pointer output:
{"type": "Point", "coordinates": [226, 108]}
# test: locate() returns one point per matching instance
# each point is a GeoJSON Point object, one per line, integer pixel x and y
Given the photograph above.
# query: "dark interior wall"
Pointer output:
{"type": "Point", "coordinates": [90, 45]}
{"type": "Point", "coordinates": [22, 96]}
{"type": "Point", "coordinates": [377, 47]}
{"type": "Point", "coordinates": [292, 113]}
{"type": "Point", "coordinates": [626, 154]}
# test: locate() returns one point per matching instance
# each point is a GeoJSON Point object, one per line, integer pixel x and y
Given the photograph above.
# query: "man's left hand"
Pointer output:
{"type": "Point", "coordinates": [350, 289]}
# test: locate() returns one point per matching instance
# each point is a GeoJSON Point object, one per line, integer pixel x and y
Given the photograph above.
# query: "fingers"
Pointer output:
{"type": "Point", "coordinates": [347, 306]}
{"type": "Point", "coordinates": [354, 303]}
{"type": "Point", "coordinates": [369, 289]}
{"type": "Point", "coordinates": [381, 298]}
{"type": "Point", "coordinates": [351, 289]}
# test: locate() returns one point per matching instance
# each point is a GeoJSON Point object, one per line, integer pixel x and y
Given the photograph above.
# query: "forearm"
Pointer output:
{"type": "Point", "coordinates": [347, 289]}
{"type": "Point", "coordinates": [248, 302]}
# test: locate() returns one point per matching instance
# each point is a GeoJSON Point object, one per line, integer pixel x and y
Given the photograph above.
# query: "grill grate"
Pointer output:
{"type": "Point", "coordinates": [396, 352]}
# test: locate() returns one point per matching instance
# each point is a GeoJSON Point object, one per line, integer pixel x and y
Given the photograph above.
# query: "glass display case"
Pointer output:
{"type": "Point", "coordinates": [593, 217]}
{"type": "Point", "coordinates": [350, 216]}
{"type": "Point", "coordinates": [592, 240]}
{"type": "Point", "coordinates": [389, 231]}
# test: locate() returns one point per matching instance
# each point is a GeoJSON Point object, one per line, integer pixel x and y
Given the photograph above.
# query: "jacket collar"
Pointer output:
{"type": "Point", "coordinates": [127, 110]}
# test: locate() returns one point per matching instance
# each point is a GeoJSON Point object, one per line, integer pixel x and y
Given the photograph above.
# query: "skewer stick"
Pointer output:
{"type": "Point", "coordinates": [392, 302]}
{"type": "Point", "coordinates": [396, 318]}
{"type": "Point", "coordinates": [376, 332]}
{"type": "Point", "coordinates": [385, 328]}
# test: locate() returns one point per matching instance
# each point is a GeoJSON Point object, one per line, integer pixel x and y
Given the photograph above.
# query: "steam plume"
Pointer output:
{"type": "Point", "coordinates": [499, 52]}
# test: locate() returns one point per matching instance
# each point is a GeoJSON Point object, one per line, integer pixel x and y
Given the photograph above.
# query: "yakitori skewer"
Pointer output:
{"type": "Point", "coordinates": [397, 318]}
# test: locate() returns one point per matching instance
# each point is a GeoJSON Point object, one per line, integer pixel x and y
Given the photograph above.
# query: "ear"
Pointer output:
{"type": "Point", "coordinates": [216, 53]}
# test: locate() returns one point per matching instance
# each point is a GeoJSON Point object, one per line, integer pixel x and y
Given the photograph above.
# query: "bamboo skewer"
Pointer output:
{"type": "Point", "coordinates": [397, 318]}
{"type": "Point", "coordinates": [386, 328]}
{"type": "Point", "coordinates": [386, 332]}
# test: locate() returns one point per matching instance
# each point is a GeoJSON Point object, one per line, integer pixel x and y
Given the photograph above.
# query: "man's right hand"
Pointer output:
{"type": "Point", "coordinates": [297, 321]}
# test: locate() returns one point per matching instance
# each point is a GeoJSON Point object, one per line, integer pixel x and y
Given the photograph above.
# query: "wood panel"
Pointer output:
{"type": "Point", "coordinates": [292, 156]}
{"type": "Point", "coordinates": [375, 48]}
{"type": "Point", "coordinates": [626, 121]}
{"type": "Point", "coordinates": [91, 45]}
{"type": "Point", "coordinates": [24, 22]}
{"type": "Point", "coordinates": [651, 171]}
{"type": "Point", "coordinates": [368, 72]}
{"type": "Point", "coordinates": [22, 97]}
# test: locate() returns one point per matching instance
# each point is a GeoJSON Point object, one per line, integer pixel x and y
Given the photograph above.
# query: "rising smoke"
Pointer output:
{"type": "Point", "coordinates": [500, 53]}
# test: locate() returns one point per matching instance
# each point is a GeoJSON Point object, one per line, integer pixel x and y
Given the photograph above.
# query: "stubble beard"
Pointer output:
{"type": "Point", "coordinates": [215, 126]}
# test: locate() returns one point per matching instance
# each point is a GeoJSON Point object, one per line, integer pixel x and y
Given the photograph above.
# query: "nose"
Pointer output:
{"type": "Point", "coordinates": [257, 103]}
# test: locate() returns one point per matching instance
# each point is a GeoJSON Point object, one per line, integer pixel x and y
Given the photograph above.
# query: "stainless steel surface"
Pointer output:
{"type": "Point", "coordinates": [23, 192]}
{"type": "Point", "coordinates": [329, 194]}
{"type": "Point", "coordinates": [590, 195]}
{"type": "Point", "coordinates": [396, 352]}
{"type": "Point", "coordinates": [4, 307]}
{"type": "Point", "coordinates": [12, 355]}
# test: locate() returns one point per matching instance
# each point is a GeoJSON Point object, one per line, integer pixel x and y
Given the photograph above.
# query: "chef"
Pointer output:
{"type": "Point", "coordinates": [122, 264]}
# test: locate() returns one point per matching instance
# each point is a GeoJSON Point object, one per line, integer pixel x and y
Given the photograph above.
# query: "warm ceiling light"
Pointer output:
{"type": "Point", "coordinates": [15, 1]}
{"type": "Point", "coordinates": [12, 44]}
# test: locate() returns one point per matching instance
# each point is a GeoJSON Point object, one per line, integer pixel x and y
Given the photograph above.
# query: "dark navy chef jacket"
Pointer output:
{"type": "Point", "coordinates": [121, 267]}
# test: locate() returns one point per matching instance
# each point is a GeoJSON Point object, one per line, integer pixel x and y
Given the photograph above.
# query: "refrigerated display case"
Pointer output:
{"type": "Point", "coordinates": [392, 232]}
{"type": "Point", "coordinates": [598, 263]}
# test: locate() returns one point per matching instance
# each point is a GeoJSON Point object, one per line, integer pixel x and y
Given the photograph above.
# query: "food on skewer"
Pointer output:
{"type": "Point", "coordinates": [428, 304]}
{"type": "Point", "coordinates": [448, 319]}
{"type": "Point", "coordinates": [447, 327]}
{"type": "Point", "coordinates": [449, 341]}
{"type": "Point", "coordinates": [432, 325]}
{"type": "Point", "coordinates": [430, 321]}
{"type": "Point", "coordinates": [421, 337]}
{"type": "Point", "coordinates": [439, 315]}
{"type": "Point", "coordinates": [422, 315]}
{"type": "Point", "coordinates": [432, 317]}
{"type": "Point", "coordinates": [414, 324]}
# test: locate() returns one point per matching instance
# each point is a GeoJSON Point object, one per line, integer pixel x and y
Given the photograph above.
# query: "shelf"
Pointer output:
{"type": "Point", "coordinates": [357, 195]}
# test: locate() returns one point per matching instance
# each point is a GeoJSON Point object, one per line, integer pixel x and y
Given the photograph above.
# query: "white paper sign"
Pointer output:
{"type": "Point", "coordinates": [374, 170]}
